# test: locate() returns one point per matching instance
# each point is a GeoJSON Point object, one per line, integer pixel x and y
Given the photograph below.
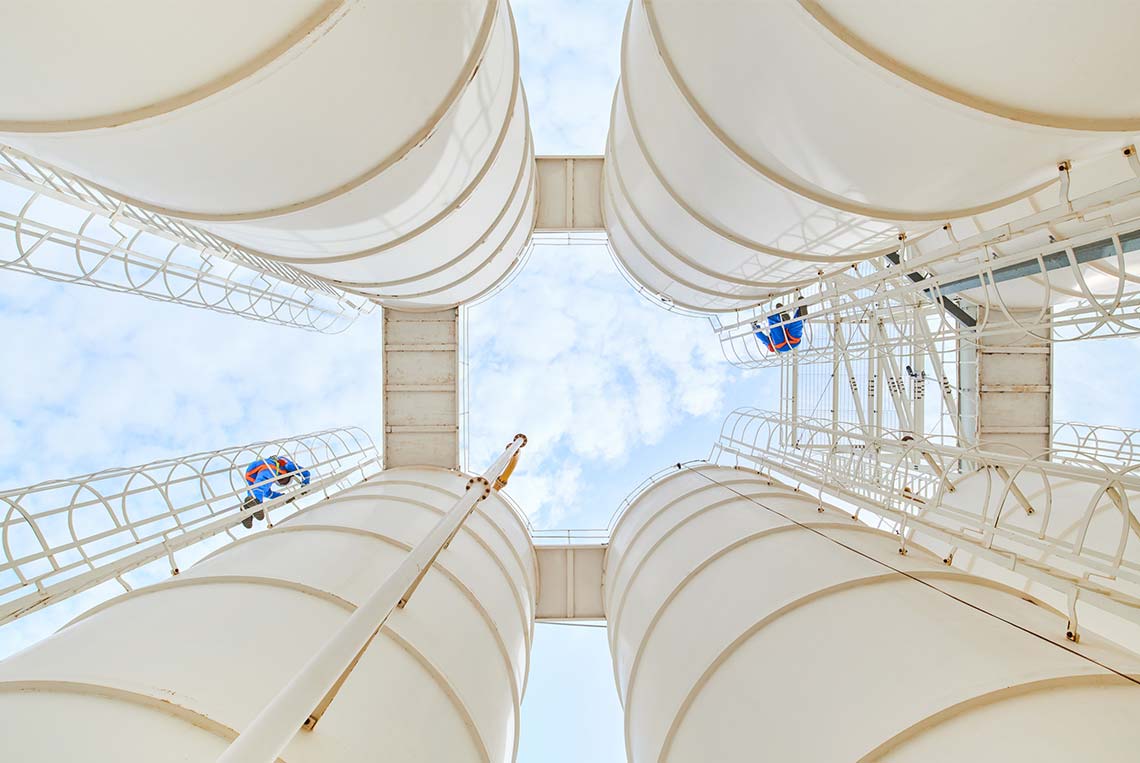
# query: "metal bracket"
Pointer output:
{"type": "Point", "coordinates": [1064, 168]}
{"type": "Point", "coordinates": [478, 481]}
{"type": "Point", "coordinates": [1015, 490]}
{"type": "Point", "coordinates": [1072, 631]}
{"type": "Point", "coordinates": [1133, 160]}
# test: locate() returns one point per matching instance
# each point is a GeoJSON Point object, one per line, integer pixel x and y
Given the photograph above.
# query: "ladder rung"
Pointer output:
{"type": "Point", "coordinates": [421, 347]}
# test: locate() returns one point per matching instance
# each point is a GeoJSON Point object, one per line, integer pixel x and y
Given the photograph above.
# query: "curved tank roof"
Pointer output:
{"type": "Point", "coordinates": [756, 147]}
{"type": "Point", "coordinates": [347, 139]}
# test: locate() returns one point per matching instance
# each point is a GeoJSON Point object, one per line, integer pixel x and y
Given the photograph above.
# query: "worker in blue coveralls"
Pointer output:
{"type": "Point", "coordinates": [259, 474]}
{"type": "Point", "coordinates": [782, 338]}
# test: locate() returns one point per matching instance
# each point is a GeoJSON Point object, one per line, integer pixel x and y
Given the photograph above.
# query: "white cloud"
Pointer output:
{"type": "Point", "coordinates": [569, 52]}
{"type": "Point", "coordinates": [95, 379]}
{"type": "Point", "coordinates": [590, 369]}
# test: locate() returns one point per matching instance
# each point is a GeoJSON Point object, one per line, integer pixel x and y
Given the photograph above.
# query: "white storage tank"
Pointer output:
{"type": "Point", "coordinates": [173, 671]}
{"type": "Point", "coordinates": [757, 146]}
{"type": "Point", "coordinates": [380, 144]}
{"type": "Point", "coordinates": [746, 623]}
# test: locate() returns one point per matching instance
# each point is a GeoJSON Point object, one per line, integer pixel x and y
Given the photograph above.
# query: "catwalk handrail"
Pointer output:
{"type": "Point", "coordinates": [1110, 444]}
{"type": "Point", "coordinates": [67, 229]}
{"type": "Point", "coordinates": [1103, 299]}
{"type": "Point", "coordinates": [1061, 518]}
{"type": "Point", "coordinates": [62, 537]}
{"type": "Point", "coordinates": [633, 495]}
{"type": "Point", "coordinates": [571, 536]}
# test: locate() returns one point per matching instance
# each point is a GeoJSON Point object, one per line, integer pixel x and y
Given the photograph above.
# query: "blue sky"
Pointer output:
{"type": "Point", "coordinates": [609, 387]}
{"type": "Point", "coordinates": [1095, 382]}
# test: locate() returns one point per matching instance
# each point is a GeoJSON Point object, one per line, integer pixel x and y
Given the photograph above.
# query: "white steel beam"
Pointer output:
{"type": "Point", "coordinates": [569, 193]}
{"type": "Point", "coordinates": [1014, 389]}
{"type": "Point", "coordinates": [1062, 519]}
{"type": "Point", "coordinates": [571, 582]}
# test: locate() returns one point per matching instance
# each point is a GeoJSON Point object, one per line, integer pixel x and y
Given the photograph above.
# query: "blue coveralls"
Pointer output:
{"type": "Point", "coordinates": [271, 467]}
{"type": "Point", "coordinates": [783, 338]}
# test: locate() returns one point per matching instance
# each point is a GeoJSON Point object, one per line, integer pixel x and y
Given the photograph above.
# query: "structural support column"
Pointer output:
{"type": "Point", "coordinates": [818, 641]}
{"type": "Point", "coordinates": [421, 388]}
{"type": "Point", "coordinates": [1015, 387]}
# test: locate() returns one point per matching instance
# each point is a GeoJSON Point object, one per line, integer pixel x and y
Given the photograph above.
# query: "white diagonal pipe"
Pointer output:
{"type": "Point", "coordinates": [310, 689]}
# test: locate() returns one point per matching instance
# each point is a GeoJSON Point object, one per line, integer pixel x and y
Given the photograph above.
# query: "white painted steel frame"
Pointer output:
{"type": "Point", "coordinates": [67, 229]}
{"type": "Point", "coordinates": [572, 577]}
{"type": "Point", "coordinates": [1102, 300]}
{"type": "Point", "coordinates": [569, 193]}
{"type": "Point", "coordinates": [1108, 444]}
{"type": "Point", "coordinates": [421, 388]}
{"type": "Point", "coordinates": [62, 537]}
{"type": "Point", "coordinates": [874, 388]}
{"type": "Point", "coordinates": [1023, 521]}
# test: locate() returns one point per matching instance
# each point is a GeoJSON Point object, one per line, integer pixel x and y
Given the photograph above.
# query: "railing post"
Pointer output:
{"type": "Point", "coordinates": [64, 536]}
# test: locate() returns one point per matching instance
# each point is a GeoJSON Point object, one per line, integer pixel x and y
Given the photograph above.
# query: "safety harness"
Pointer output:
{"type": "Point", "coordinates": [275, 467]}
